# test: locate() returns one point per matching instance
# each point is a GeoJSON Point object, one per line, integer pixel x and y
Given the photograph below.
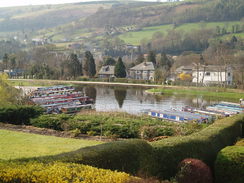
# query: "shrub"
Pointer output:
{"type": "Point", "coordinates": [229, 165]}
{"type": "Point", "coordinates": [204, 145]}
{"type": "Point", "coordinates": [19, 115]}
{"type": "Point", "coordinates": [36, 172]}
{"type": "Point", "coordinates": [194, 171]}
{"type": "Point", "coordinates": [56, 122]}
{"type": "Point", "coordinates": [127, 156]}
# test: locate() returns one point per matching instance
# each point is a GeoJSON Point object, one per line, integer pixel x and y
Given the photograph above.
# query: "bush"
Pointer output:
{"type": "Point", "coordinates": [36, 172]}
{"type": "Point", "coordinates": [194, 171]}
{"type": "Point", "coordinates": [19, 115]}
{"type": "Point", "coordinates": [203, 145]}
{"type": "Point", "coordinates": [229, 165]}
{"type": "Point", "coordinates": [56, 122]}
{"type": "Point", "coordinates": [127, 156]}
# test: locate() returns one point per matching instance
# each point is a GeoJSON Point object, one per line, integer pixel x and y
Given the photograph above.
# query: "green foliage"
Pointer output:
{"type": "Point", "coordinates": [74, 65]}
{"type": "Point", "coordinates": [8, 94]}
{"type": "Point", "coordinates": [203, 145]}
{"type": "Point", "coordinates": [127, 156]}
{"type": "Point", "coordinates": [229, 165]}
{"type": "Point", "coordinates": [113, 124]}
{"type": "Point", "coordinates": [109, 61]}
{"type": "Point", "coordinates": [151, 57]}
{"type": "Point", "coordinates": [89, 65]}
{"type": "Point", "coordinates": [119, 70]}
{"type": "Point", "coordinates": [36, 172]}
{"type": "Point", "coordinates": [18, 115]}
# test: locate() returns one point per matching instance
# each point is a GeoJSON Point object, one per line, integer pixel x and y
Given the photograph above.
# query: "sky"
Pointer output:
{"type": "Point", "coordinates": [9, 3]}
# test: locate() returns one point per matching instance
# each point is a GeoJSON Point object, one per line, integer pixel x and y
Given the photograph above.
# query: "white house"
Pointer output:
{"type": "Point", "coordinates": [212, 74]}
{"type": "Point", "coordinates": [144, 70]}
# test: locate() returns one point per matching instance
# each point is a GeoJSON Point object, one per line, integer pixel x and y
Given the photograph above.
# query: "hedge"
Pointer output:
{"type": "Point", "coordinates": [203, 145]}
{"type": "Point", "coordinates": [36, 172]}
{"type": "Point", "coordinates": [229, 165]}
{"type": "Point", "coordinates": [128, 156]}
{"type": "Point", "coordinates": [19, 114]}
{"type": "Point", "coordinates": [159, 158]}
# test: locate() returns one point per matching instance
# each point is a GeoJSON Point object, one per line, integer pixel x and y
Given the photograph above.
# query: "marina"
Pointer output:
{"type": "Point", "coordinates": [61, 99]}
{"type": "Point", "coordinates": [209, 114]}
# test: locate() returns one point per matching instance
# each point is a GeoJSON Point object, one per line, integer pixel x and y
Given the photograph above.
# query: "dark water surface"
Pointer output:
{"type": "Point", "coordinates": [134, 99]}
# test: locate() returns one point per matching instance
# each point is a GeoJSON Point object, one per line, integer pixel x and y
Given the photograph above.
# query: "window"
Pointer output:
{"type": "Point", "coordinates": [207, 73]}
{"type": "Point", "coordinates": [229, 74]}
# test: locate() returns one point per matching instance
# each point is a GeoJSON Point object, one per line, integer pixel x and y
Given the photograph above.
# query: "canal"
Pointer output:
{"type": "Point", "coordinates": [135, 100]}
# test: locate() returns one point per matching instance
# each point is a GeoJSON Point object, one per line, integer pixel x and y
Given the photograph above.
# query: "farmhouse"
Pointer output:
{"type": "Point", "coordinates": [106, 71]}
{"type": "Point", "coordinates": [144, 70]}
{"type": "Point", "coordinates": [212, 74]}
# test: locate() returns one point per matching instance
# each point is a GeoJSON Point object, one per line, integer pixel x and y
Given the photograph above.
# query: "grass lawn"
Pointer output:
{"type": "Point", "coordinates": [14, 145]}
{"type": "Point", "coordinates": [147, 32]}
{"type": "Point", "coordinates": [205, 92]}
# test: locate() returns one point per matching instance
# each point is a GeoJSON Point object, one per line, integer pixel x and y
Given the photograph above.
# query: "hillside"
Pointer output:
{"type": "Point", "coordinates": [147, 33]}
{"type": "Point", "coordinates": [45, 16]}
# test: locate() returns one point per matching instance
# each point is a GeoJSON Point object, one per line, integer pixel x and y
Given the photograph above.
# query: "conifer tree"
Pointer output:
{"type": "Point", "coordinates": [119, 70]}
{"type": "Point", "coordinates": [89, 65]}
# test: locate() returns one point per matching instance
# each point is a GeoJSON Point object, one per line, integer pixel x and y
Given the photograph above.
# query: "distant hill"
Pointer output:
{"type": "Point", "coordinates": [46, 16]}
{"type": "Point", "coordinates": [149, 14]}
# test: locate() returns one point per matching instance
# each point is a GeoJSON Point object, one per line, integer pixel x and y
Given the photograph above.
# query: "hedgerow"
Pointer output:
{"type": "Point", "coordinates": [127, 155]}
{"type": "Point", "coordinates": [19, 114]}
{"type": "Point", "coordinates": [229, 165]}
{"type": "Point", "coordinates": [203, 145]}
{"type": "Point", "coordinates": [36, 172]}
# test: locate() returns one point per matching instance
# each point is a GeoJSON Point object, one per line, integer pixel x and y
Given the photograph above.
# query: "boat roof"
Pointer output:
{"type": "Point", "coordinates": [182, 114]}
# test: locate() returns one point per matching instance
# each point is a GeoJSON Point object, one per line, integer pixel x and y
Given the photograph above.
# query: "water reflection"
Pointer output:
{"type": "Point", "coordinates": [134, 100]}
{"type": "Point", "coordinates": [120, 95]}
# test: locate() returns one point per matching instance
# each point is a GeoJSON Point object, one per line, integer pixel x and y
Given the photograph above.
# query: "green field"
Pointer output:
{"type": "Point", "coordinates": [14, 145]}
{"type": "Point", "coordinates": [147, 32]}
{"type": "Point", "coordinates": [205, 92]}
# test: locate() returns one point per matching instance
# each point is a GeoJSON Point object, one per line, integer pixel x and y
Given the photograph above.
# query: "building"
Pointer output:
{"type": "Point", "coordinates": [144, 70]}
{"type": "Point", "coordinates": [14, 73]}
{"type": "Point", "coordinates": [184, 69]}
{"type": "Point", "coordinates": [212, 74]}
{"type": "Point", "coordinates": [106, 71]}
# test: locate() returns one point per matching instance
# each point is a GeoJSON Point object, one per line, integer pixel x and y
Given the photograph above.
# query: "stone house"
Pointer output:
{"type": "Point", "coordinates": [144, 71]}
{"type": "Point", "coordinates": [106, 71]}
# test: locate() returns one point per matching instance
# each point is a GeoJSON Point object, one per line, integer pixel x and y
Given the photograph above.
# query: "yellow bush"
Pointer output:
{"type": "Point", "coordinates": [57, 172]}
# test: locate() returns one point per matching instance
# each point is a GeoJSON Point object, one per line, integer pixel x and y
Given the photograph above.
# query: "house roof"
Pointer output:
{"type": "Point", "coordinates": [211, 68]}
{"type": "Point", "coordinates": [144, 66]}
{"type": "Point", "coordinates": [186, 68]}
{"type": "Point", "coordinates": [108, 69]}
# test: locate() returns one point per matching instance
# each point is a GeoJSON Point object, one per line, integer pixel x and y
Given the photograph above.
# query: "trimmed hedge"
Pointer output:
{"type": "Point", "coordinates": [19, 114]}
{"type": "Point", "coordinates": [34, 172]}
{"type": "Point", "coordinates": [128, 156]}
{"type": "Point", "coordinates": [159, 158]}
{"type": "Point", "coordinates": [204, 145]}
{"type": "Point", "coordinates": [229, 165]}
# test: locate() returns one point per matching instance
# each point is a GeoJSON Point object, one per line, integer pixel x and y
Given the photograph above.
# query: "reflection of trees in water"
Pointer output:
{"type": "Point", "coordinates": [120, 96]}
{"type": "Point", "coordinates": [91, 92]}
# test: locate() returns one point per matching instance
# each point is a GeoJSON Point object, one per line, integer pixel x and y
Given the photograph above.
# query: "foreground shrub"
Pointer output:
{"type": "Point", "coordinates": [18, 114]}
{"type": "Point", "coordinates": [128, 156]}
{"type": "Point", "coordinates": [204, 145]}
{"type": "Point", "coordinates": [34, 172]}
{"type": "Point", "coordinates": [194, 171]}
{"type": "Point", "coordinates": [114, 124]}
{"type": "Point", "coordinates": [229, 165]}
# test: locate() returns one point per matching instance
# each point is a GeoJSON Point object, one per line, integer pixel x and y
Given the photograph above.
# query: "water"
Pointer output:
{"type": "Point", "coordinates": [135, 100]}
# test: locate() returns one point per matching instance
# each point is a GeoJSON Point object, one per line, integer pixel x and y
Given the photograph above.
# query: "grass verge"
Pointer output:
{"type": "Point", "coordinates": [14, 145]}
{"type": "Point", "coordinates": [205, 92]}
